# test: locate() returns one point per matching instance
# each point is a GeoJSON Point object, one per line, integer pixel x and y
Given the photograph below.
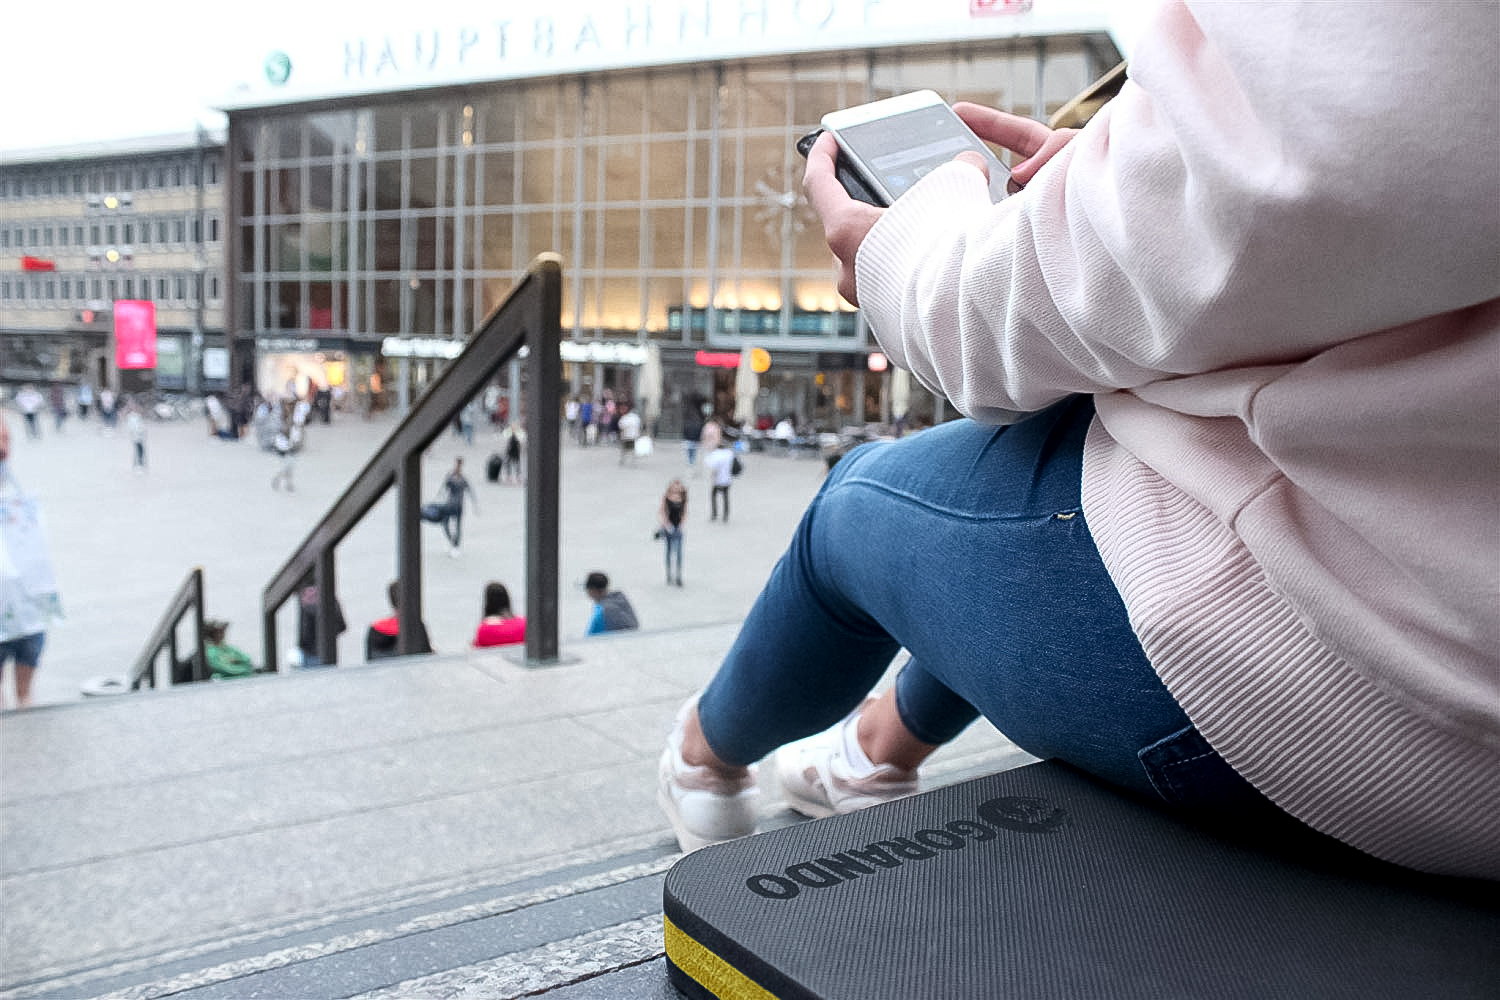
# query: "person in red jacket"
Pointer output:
{"type": "Point", "coordinates": [500, 626]}
{"type": "Point", "coordinates": [381, 639]}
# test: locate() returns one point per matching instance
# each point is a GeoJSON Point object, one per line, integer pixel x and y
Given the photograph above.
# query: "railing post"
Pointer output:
{"type": "Point", "coordinates": [326, 640]}
{"type": "Point", "coordinates": [409, 549]}
{"type": "Point", "coordinates": [543, 453]}
{"type": "Point", "coordinates": [200, 657]}
{"type": "Point", "coordinates": [268, 638]}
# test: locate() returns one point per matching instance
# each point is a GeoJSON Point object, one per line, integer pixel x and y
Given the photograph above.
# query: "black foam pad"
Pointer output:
{"type": "Point", "coordinates": [1041, 883]}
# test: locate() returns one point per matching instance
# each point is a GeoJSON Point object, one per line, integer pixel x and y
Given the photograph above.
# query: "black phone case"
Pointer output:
{"type": "Point", "coordinates": [853, 182]}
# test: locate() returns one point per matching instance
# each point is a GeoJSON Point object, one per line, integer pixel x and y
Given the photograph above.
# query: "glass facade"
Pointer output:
{"type": "Point", "coordinates": [673, 196]}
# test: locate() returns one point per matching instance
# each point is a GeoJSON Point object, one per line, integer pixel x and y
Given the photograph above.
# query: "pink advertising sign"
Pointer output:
{"type": "Point", "coordinates": [135, 334]}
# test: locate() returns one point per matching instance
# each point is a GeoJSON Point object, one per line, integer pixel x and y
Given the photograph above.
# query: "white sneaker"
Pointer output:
{"type": "Point", "coordinates": [829, 774]}
{"type": "Point", "coordinates": [703, 806]}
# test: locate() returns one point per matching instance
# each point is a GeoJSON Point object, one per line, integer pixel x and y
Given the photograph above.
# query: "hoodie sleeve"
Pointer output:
{"type": "Point", "coordinates": [1268, 184]}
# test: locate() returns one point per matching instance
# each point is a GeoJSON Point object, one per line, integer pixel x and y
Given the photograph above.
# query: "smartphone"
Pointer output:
{"type": "Point", "coordinates": [892, 144]}
{"type": "Point", "coordinates": [854, 183]}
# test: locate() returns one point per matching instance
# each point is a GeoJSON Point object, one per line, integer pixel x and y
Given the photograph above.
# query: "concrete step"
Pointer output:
{"type": "Point", "coordinates": [411, 826]}
{"type": "Point", "coordinates": [518, 932]}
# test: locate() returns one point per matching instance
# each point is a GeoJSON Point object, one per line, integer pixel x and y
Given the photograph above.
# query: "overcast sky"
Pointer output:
{"type": "Point", "coordinates": [94, 71]}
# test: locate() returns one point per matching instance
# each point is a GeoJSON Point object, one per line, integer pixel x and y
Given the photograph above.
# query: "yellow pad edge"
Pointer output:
{"type": "Point", "coordinates": [709, 970]}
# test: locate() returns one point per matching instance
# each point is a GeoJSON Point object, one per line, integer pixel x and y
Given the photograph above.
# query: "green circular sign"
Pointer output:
{"type": "Point", "coordinates": [278, 68]}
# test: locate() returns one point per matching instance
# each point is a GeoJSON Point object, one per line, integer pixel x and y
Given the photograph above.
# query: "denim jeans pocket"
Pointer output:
{"type": "Point", "coordinates": [1186, 771]}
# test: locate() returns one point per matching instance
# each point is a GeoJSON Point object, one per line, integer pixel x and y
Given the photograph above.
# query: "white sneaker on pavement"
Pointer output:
{"type": "Point", "coordinates": [829, 774]}
{"type": "Point", "coordinates": [703, 806]}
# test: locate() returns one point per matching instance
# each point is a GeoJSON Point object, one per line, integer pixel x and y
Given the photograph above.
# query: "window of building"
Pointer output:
{"type": "Point", "coordinates": [177, 174]}
{"type": "Point", "coordinates": [113, 284]}
{"type": "Point", "coordinates": [77, 181]}
{"type": "Point", "coordinates": [110, 232]}
{"type": "Point", "coordinates": [128, 232]}
{"type": "Point", "coordinates": [179, 230]}
{"type": "Point", "coordinates": [161, 289]}
{"type": "Point", "coordinates": [161, 230]}
{"type": "Point", "coordinates": [94, 234]}
{"type": "Point", "coordinates": [66, 287]}
{"type": "Point", "coordinates": [213, 229]}
{"type": "Point", "coordinates": [4, 288]}
{"type": "Point", "coordinates": [213, 288]}
{"type": "Point", "coordinates": [78, 235]}
{"type": "Point", "coordinates": [179, 288]}
{"type": "Point", "coordinates": [96, 289]}
{"type": "Point", "coordinates": [21, 288]}
{"type": "Point", "coordinates": [129, 287]}
{"type": "Point", "coordinates": [46, 236]}
{"type": "Point", "coordinates": [36, 237]}
{"type": "Point", "coordinates": [62, 236]}
{"type": "Point", "coordinates": [4, 238]}
{"type": "Point", "coordinates": [211, 165]}
{"type": "Point", "coordinates": [111, 180]}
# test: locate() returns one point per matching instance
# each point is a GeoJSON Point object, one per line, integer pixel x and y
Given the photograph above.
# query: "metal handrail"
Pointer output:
{"type": "Point", "coordinates": [530, 316]}
{"type": "Point", "coordinates": [189, 597]}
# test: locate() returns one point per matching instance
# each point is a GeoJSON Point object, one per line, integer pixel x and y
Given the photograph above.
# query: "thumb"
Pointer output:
{"type": "Point", "coordinates": [975, 160]}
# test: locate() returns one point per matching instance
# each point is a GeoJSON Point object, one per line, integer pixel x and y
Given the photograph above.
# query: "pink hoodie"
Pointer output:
{"type": "Point", "coordinates": [1275, 261]}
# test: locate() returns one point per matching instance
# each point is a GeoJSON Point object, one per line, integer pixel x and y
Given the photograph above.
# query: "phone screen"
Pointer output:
{"type": "Point", "coordinates": [901, 149]}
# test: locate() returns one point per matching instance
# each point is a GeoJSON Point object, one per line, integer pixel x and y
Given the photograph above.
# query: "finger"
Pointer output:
{"type": "Point", "coordinates": [1021, 136]}
{"type": "Point", "coordinates": [824, 192]}
{"type": "Point", "coordinates": [1024, 171]}
{"type": "Point", "coordinates": [974, 159]}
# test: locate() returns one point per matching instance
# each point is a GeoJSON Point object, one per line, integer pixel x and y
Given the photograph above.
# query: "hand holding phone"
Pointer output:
{"type": "Point", "coordinates": [887, 146]}
{"type": "Point", "coordinates": [853, 183]}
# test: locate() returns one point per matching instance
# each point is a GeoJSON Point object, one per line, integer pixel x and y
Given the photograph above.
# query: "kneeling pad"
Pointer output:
{"type": "Point", "coordinates": [1041, 882]}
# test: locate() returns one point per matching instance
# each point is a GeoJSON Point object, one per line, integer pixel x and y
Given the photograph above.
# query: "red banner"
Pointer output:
{"type": "Point", "coordinates": [718, 359]}
{"type": "Point", "coordinates": [989, 8]}
{"type": "Point", "coordinates": [135, 334]}
{"type": "Point", "coordinates": [29, 263]}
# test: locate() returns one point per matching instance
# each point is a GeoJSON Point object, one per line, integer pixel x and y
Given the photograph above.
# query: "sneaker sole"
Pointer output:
{"type": "Point", "coordinates": [687, 840]}
{"type": "Point", "coordinates": [811, 808]}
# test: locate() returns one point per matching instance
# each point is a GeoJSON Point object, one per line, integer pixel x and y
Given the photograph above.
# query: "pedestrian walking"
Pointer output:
{"type": "Point", "coordinates": [456, 488]}
{"type": "Point", "coordinates": [28, 590]}
{"type": "Point", "coordinates": [586, 430]}
{"type": "Point", "coordinates": [629, 428]}
{"type": "Point", "coordinates": [135, 429]}
{"type": "Point", "coordinates": [692, 430]}
{"type": "Point", "coordinates": [59, 398]}
{"type": "Point", "coordinates": [710, 437]}
{"type": "Point", "coordinates": [720, 464]}
{"type": "Point", "coordinates": [511, 470]}
{"type": "Point", "coordinates": [286, 458]}
{"type": "Point", "coordinates": [30, 403]}
{"type": "Point", "coordinates": [108, 414]}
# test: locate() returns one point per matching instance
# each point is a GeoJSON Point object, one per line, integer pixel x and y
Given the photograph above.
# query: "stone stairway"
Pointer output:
{"type": "Point", "coordinates": [445, 826]}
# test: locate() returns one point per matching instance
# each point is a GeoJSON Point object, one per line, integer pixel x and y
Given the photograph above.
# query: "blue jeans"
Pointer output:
{"type": "Point", "coordinates": [967, 546]}
{"type": "Point", "coordinates": [673, 538]}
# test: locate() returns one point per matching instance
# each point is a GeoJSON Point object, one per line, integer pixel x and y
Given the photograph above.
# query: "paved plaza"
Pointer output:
{"type": "Point", "coordinates": [123, 542]}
